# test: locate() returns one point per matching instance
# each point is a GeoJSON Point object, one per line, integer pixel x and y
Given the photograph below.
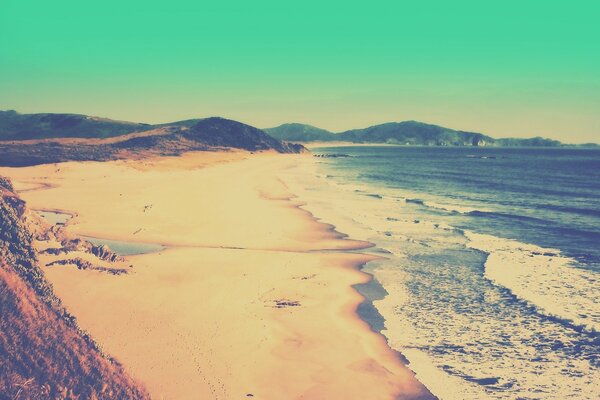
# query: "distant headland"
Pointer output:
{"type": "Point", "coordinates": [410, 133]}
{"type": "Point", "coordinates": [30, 139]}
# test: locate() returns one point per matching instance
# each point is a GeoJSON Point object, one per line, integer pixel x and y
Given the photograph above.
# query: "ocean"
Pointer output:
{"type": "Point", "coordinates": [489, 281]}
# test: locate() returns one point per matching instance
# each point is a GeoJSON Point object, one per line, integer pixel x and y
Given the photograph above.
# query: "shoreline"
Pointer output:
{"type": "Point", "coordinates": [324, 251]}
{"type": "Point", "coordinates": [437, 274]}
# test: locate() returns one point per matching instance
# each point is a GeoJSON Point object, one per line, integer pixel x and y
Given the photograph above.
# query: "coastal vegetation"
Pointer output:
{"type": "Point", "coordinates": [411, 133]}
{"type": "Point", "coordinates": [219, 132]}
{"type": "Point", "coordinates": [48, 142]}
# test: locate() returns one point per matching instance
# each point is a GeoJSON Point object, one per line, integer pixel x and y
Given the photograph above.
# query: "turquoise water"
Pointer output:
{"type": "Point", "coordinates": [124, 248]}
{"type": "Point", "coordinates": [55, 217]}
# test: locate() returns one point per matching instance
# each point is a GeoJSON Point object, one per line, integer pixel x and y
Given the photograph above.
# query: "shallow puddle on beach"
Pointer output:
{"type": "Point", "coordinates": [124, 248]}
{"type": "Point", "coordinates": [120, 247]}
{"type": "Point", "coordinates": [55, 217]}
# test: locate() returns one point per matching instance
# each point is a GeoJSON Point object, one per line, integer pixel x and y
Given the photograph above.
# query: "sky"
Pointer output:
{"type": "Point", "coordinates": [504, 68]}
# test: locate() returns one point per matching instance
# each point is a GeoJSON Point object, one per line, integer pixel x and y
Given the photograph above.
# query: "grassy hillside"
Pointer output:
{"type": "Point", "coordinates": [531, 142]}
{"type": "Point", "coordinates": [414, 133]}
{"type": "Point", "coordinates": [301, 133]}
{"type": "Point", "coordinates": [205, 134]}
{"type": "Point", "coordinates": [220, 132]}
{"type": "Point", "coordinates": [405, 133]}
{"type": "Point", "coordinates": [210, 131]}
{"type": "Point", "coordinates": [15, 126]}
{"type": "Point", "coordinates": [43, 353]}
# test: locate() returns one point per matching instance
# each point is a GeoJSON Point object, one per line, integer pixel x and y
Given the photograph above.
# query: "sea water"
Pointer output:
{"type": "Point", "coordinates": [492, 260]}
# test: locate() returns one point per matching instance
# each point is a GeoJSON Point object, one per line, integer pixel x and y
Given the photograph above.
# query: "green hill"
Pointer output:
{"type": "Point", "coordinates": [532, 142]}
{"type": "Point", "coordinates": [301, 133]}
{"type": "Point", "coordinates": [412, 133]}
{"type": "Point", "coordinates": [16, 126]}
{"type": "Point", "coordinates": [202, 135]}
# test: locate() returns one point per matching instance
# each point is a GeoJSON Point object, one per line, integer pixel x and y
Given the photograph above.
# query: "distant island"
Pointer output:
{"type": "Point", "coordinates": [410, 133]}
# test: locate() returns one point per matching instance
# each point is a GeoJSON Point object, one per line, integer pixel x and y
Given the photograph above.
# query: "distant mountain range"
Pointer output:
{"type": "Point", "coordinates": [219, 132]}
{"type": "Point", "coordinates": [30, 139]}
{"type": "Point", "coordinates": [404, 133]}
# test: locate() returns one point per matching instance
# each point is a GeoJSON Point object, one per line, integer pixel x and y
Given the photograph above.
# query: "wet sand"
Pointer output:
{"type": "Point", "coordinates": [251, 298]}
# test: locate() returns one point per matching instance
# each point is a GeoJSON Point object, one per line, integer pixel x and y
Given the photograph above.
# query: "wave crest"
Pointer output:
{"type": "Point", "coordinates": [542, 277]}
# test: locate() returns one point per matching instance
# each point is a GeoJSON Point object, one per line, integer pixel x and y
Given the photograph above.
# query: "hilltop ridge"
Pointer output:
{"type": "Point", "coordinates": [413, 133]}
{"type": "Point", "coordinates": [17, 126]}
{"type": "Point", "coordinates": [206, 134]}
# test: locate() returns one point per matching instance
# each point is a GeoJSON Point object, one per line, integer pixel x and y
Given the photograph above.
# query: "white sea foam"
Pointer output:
{"type": "Point", "coordinates": [451, 349]}
{"type": "Point", "coordinates": [454, 207]}
{"type": "Point", "coordinates": [542, 277]}
{"type": "Point", "coordinates": [403, 336]}
{"type": "Point", "coordinates": [504, 347]}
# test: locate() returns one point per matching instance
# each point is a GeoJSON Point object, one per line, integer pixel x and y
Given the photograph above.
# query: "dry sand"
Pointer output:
{"type": "Point", "coordinates": [248, 300]}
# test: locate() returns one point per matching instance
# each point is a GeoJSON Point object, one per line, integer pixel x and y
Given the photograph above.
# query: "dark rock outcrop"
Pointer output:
{"type": "Point", "coordinates": [80, 263]}
{"type": "Point", "coordinates": [332, 155]}
{"type": "Point", "coordinates": [16, 249]}
{"type": "Point", "coordinates": [6, 184]}
{"type": "Point", "coordinates": [103, 252]}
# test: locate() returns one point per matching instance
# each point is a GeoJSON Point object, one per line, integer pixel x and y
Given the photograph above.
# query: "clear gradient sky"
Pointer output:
{"type": "Point", "coordinates": [505, 68]}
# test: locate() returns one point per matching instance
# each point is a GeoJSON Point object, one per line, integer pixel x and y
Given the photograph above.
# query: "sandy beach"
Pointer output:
{"type": "Point", "coordinates": [252, 296]}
